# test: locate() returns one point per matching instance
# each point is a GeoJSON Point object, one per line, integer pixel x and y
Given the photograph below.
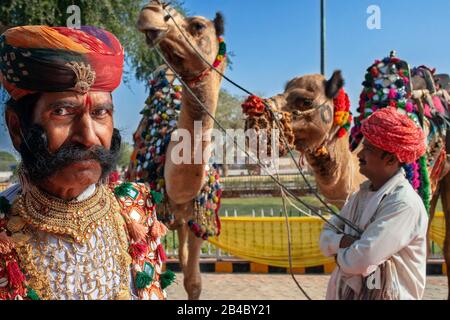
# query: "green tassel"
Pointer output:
{"type": "Point", "coordinates": [143, 280]}
{"type": "Point", "coordinates": [157, 196]}
{"type": "Point", "coordinates": [32, 294]}
{"type": "Point", "coordinates": [167, 278]}
{"type": "Point", "coordinates": [122, 190]}
{"type": "Point", "coordinates": [4, 205]}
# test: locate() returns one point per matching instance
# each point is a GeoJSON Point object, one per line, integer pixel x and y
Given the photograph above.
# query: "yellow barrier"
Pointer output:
{"type": "Point", "coordinates": [3, 186]}
{"type": "Point", "coordinates": [437, 231]}
{"type": "Point", "coordinates": [264, 240]}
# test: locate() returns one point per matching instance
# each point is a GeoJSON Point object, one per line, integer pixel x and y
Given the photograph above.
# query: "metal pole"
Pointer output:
{"type": "Point", "coordinates": [322, 37]}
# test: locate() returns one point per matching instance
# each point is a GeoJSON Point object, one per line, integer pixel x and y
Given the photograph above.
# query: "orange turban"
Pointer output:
{"type": "Point", "coordinates": [395, 133]}
{"type": "Point", "coordinates": [54, 59]}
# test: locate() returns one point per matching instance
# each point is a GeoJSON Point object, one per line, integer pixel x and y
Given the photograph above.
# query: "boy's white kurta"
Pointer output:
{"type": "Point", "coordinates": [395, 222]}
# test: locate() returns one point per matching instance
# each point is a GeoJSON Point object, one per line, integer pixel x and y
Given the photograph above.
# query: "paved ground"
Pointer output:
{"type": "Point", "coordinates": [218, 286]}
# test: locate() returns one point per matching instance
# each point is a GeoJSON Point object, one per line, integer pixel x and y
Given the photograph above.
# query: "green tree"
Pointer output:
{"type": "Point", "coordinates": [229, 115]}
{"type": "Point", "coordinates": [229, 111]}
{"type": "Point", "coordinates": [7, 160]}
{"type": "Point", "coordinates": [125, 155]}
{"type": "Point", "coordinates": [117, 16]}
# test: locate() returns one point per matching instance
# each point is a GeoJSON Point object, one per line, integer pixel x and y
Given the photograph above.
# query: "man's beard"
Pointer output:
{"type": "Point", "coordinates": [40, 164]}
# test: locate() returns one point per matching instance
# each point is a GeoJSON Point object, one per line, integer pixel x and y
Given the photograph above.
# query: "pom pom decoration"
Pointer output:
{"type": "Point", "coordinates": [32, 295]}
{"type": "Point", "coordinates": [167, 278]}
{"type": "Point", "coordinates": [221, 56]}
{"type": "Point", "coordinates": [342, 114]}
{"type": "Point", "coordinates": [253, 106]}
{"type": "Point", "coordinates": [138, 249]}
{"type": "Point", "coordinates": [142, 280]}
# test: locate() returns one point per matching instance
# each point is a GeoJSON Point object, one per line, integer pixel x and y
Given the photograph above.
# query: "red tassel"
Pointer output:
{"type": "Point", "coordinates": [138, 250]}
{"type": "Point", "coordinates": [15, 275]}
{"type": "Point", "coordinates": [161, 253]}
{"type": "Point", "coordinates": [137, 231]}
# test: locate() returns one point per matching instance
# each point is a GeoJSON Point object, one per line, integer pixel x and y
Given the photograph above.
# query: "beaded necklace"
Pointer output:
{"type": "Point", "coordinates": [221, 56]}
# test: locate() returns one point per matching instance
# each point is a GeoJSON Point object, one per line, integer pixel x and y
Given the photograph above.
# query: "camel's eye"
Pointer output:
{"type": "Point", "coordinates": [303, 104]}
{"type": "Point", "coordinates": [198, 26]}
{"type": "Point", "coordinates": [307, 103]}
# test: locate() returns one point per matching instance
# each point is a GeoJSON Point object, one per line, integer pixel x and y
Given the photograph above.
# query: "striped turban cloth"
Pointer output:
{"type": "Point", "coordinates": [395, 133]}
{"type": "Point", "coordinates": [55, 59]}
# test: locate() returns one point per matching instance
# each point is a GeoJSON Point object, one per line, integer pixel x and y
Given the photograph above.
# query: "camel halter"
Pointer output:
{"type": "Point", "coordinates": [221, 56]}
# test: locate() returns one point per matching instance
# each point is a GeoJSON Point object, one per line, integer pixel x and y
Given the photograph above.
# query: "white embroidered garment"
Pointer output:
{"type": "Point", "coordinates": [79, 271]}
{"type": "Point", "coordinates": [395, 222]}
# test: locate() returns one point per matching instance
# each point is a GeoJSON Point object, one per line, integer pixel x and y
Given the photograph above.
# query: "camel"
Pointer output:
{"type": "Point", "coordinates": [184, 181]}
{"type": "Point", "coordinates": [309, 99]}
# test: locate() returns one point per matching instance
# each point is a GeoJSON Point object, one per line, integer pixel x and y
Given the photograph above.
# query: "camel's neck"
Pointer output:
{"type": "Point", "coordinates": [184, 180]}
{"type": "Point", "coordinates": [336, 171]}
{"type": "Point", "coordinates": [207, 91]}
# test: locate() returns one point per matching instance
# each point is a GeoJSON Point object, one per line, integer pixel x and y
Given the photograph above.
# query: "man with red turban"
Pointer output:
{"type": "Point", "coordinates": [388, 260]}
{"type": "Point", "coordinates": [65, 231]}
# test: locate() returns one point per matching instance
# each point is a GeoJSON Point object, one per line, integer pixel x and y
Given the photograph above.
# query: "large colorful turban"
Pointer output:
{"type": "Point", "coordinates": [395, 133]}
{"type": "Point", "coordinates": [55, 59]}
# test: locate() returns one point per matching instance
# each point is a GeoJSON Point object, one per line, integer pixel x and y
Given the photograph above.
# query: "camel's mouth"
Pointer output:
{"type": "Point", "coordinates": [299, 144]}
{"type": "Point", "coordinates": [153, 36]}
{"type": "Point", "coordinates": [171, 50]}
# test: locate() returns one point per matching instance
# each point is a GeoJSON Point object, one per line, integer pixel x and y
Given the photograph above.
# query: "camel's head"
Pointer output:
{"type": "Point", "coordinates": [164, 26]}
{"type": "Point", "coordinates": [310, 100]}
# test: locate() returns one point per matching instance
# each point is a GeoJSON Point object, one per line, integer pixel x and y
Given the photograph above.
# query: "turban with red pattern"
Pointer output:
{"type": "Point", "coordinates": [395, 133]}
{"type": "Point", "coordinates": [55, 59]}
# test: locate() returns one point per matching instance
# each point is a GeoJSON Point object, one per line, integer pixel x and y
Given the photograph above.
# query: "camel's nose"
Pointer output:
{"type": "Point", "coordinates": [153, 34]}
{"type": "Point", "coordinates": [151, 22]}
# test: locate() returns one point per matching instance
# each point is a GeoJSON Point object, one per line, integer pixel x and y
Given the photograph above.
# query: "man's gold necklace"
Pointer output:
{"type": "Point", "coordinates": [77, 219]}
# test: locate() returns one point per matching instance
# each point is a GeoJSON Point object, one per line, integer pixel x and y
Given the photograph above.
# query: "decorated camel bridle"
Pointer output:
{"type": "Point", "coordinates": [255, 107]}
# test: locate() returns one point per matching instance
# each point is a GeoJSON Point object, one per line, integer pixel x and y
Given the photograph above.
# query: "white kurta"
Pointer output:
{"type": "Point", "coordinates": [395, 222]}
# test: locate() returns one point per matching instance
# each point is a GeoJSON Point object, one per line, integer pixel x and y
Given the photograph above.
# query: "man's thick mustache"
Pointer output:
{"type": "Point", "coordinates": [41, 164]}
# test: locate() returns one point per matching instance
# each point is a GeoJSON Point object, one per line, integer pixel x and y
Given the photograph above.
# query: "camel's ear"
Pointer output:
{"type": "Point", "coordinates": [333, 85]}
{"type": "Point", "coordinates": [219, 24]}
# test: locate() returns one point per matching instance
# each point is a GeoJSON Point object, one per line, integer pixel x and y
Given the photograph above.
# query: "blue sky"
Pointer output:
{"type": "Point", "coordinates": [274, 41]}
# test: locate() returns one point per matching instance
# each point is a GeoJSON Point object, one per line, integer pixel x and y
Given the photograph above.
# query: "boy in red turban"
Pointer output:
{"type": "Point", "coordinates": [388, 260]}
